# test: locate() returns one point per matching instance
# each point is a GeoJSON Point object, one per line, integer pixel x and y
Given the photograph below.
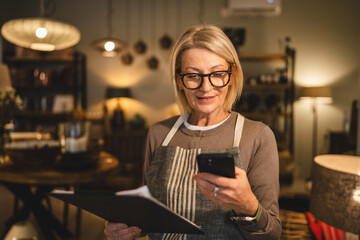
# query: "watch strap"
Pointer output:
{"type": "Point", "coordinates": [247, 219]}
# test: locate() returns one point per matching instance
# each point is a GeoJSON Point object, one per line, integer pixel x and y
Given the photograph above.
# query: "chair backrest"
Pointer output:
{"type": "Point", "coordinates": [129, 147]}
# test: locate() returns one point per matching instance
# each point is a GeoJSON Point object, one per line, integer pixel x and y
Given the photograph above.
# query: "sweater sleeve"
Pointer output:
{"type": "Point", "coordinates": [149, 153]}
{"type": "Point", "coordinates": [147, 159]}
{"type": "Point", "coordinates": [263, 176]}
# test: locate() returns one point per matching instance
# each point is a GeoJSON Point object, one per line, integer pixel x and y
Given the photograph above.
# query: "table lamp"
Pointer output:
{"type": "Point", "coordinates": [316, 95]}
{"type": "Point", "coordinates": [335, 197]}
{"type": "Point", "coordinates": [118, 119]}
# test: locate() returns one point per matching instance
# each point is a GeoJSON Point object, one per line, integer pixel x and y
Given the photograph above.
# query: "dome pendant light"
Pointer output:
{"type": "Point", "coordinates": [40, 33]}
{"type": "Point", "coordinates": [109, 47]}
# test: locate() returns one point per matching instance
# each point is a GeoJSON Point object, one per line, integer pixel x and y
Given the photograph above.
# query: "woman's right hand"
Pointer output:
{"type": "Point", "coordinates": [120, 231]}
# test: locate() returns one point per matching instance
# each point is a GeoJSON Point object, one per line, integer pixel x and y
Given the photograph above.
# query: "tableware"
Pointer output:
{"type": "Point", "coordinates": [74, 136]}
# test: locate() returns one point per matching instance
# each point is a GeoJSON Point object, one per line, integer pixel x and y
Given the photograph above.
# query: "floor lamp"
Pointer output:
{"type": "Point", "coordinates": [316, 95]}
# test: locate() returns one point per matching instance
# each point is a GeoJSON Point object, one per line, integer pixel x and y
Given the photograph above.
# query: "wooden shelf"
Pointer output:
{"type": "Point", "coordinates": [37, 59]}
{"type": "Point", "coordinates": [43, 114]}
{"type": "Point", "coordinates": [269, 86]}
{"type": "Point", "coordinates": [37, 89]}
{"type": "Point", "coordinates": [262, 57]}
{"type": "Point", "coordinates": [257, 97]}
{"type": "Point", "coordinates": [261, 115]}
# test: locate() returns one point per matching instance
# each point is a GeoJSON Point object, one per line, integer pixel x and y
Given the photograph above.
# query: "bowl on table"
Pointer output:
{"type": "Point", "coordinates": [33, 152]}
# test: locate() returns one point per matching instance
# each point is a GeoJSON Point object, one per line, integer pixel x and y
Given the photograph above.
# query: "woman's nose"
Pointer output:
{"type": "Point", "coordinates": [206, 85]}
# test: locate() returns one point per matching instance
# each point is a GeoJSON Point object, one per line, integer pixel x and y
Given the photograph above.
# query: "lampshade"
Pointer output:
{"type": "Point", "coordinates": [322, 94]}
{"type": "Point", "coordinates": [5, 81]}
{"type": "Point", "coordinates": [109, 47]}
{"type": "Point", "coordinates": [335, 197]}
{"type": "Point", "coordinates": [113, 92]}
{"type": "Point", "coordinates": [40, 33]}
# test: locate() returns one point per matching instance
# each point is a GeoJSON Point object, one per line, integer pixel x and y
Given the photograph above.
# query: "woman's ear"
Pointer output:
{"type": "Point", "coordinates": [179, 83]}
{"type": "Point", "coordinates": [231, 80]}
{"type": "Point", "coordinates": [233, 67]}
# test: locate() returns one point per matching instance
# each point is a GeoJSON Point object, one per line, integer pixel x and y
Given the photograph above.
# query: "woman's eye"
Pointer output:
{"type": "Point", "coordinates": [193, 76]}
{"type": "Point", "coordinates": [217, 74]}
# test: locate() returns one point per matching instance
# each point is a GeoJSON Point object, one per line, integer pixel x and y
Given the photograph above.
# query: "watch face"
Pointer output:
{"type": "Point", "coordinates": [248, 219]}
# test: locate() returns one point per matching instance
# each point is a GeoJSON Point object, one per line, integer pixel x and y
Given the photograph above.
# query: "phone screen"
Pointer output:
{"type": "Point", "coordinates": [221, 164]}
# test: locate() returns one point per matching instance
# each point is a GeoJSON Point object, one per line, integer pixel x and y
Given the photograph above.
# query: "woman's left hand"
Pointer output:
{"type": "Point", "coordinates": [234, 193]}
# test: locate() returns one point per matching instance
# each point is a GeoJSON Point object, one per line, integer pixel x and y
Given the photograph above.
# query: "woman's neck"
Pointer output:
{"type": "Point", "coordinates": [203, 120]}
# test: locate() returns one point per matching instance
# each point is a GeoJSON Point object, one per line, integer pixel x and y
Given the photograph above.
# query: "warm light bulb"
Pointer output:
{"type": "Point", "coordinates": [41, 32]}
{"type": "Point", "coordinates": [109, 46]}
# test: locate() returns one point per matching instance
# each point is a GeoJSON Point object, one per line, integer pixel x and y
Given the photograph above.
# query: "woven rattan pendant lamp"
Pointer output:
{"type": "Point", "coordinates": [40, 33]}
{"type": "Point", "coordinates": [109, 46]}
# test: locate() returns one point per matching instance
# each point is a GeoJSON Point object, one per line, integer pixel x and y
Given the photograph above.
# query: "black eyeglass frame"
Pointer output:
{"type": "Point", "coordinates": [229, 72]}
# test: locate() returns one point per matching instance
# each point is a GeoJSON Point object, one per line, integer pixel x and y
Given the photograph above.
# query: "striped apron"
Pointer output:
{"type": "Point", "coordinates": [169, 179]}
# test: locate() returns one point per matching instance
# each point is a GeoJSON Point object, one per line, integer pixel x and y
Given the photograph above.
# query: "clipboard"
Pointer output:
{"type": "Point", "coordinates": [133, 207]}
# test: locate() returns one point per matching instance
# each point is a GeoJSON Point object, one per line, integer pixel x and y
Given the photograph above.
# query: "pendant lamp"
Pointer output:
{"type": "Point", "coordinates": [109, 46]}
{"type": "Point", "coordinates": [40, 33]}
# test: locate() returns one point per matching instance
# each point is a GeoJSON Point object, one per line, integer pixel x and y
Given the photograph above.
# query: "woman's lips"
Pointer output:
{"type": "Point", "coordinates": [206, 99]}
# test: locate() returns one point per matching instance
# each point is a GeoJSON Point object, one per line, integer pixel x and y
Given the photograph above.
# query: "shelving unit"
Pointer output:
{"type": "Point", "coordinates": [40, 78]}
{"type": "Point", "coordinates": [268, 96]}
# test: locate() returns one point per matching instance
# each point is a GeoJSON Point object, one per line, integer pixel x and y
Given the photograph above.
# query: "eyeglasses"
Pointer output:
{"type": "Point", "coordinates": [218, 79]}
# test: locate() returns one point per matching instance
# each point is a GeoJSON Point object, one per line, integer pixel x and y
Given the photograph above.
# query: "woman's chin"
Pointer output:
{"type": "Point", "coordinates": [206, 110]}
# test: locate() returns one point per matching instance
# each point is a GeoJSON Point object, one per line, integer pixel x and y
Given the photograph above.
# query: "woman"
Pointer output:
{"type": "Point", "coordinates": [207, 78]}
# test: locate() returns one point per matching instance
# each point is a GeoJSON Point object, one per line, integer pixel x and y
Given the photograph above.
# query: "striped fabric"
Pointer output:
{"type": "Point", "coordinates": [181, 189]}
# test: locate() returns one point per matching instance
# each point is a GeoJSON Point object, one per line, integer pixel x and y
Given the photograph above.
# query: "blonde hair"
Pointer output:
{"type": "Point", "coordinates": [213, 39]}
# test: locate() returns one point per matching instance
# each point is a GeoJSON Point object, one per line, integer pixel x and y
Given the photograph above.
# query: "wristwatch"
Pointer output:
{"type": "Point", "coordinates": [246, 220]}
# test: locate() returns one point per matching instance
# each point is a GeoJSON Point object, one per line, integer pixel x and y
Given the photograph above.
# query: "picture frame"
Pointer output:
{"type": "Point", "coordinates": [63, 103]}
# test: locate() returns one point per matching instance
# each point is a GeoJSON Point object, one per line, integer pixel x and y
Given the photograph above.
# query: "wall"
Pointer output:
{"type": "Point", "coordinates": [325, 34]}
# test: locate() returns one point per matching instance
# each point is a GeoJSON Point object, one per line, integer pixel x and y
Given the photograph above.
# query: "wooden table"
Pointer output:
{"type": "Point", "coordinates": [32, 184]}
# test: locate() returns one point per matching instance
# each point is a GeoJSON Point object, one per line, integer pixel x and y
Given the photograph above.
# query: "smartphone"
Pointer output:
{"type": "Point", "coordinates": [221, 164]}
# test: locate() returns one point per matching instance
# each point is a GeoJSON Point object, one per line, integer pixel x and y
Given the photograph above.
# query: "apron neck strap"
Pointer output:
{"type": "Point", "coordinates": [238, 130]}
{"type": "Point", "coordinates": [174, 128]}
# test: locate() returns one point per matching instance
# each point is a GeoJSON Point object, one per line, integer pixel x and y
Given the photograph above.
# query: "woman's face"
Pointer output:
{"type": "Point", "coordinates": [207, 99]}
